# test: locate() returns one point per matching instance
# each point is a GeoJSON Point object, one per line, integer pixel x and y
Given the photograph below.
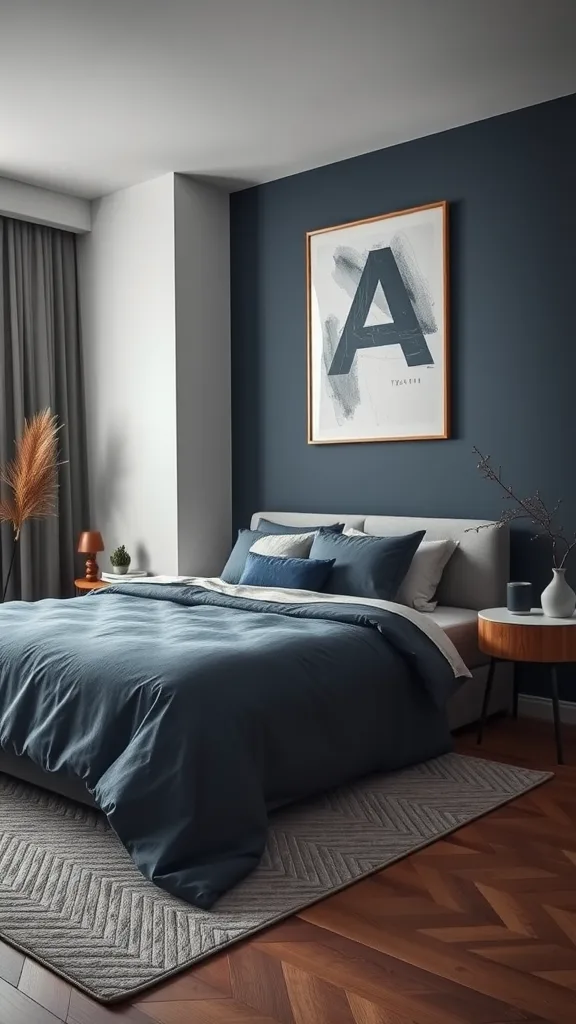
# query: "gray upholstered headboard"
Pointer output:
{"type": "Point", "coordinates": [475, 576]}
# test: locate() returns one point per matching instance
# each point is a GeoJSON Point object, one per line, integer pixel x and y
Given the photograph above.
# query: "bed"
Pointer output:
{"type": "Point", "coordinates": [188, 710]}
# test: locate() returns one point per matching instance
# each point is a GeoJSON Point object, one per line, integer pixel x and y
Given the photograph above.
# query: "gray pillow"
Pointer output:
{"type": "Point", "coordinates": [366, 566]}
{"type": "Point", "coordinates": [234, 567]}
{"type": "Point", "coordinates": [422, 580]}
{"type": "Point", "coordinates": [266, 526]}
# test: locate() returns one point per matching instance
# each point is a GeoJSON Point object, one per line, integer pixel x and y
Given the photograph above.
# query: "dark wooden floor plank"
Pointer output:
{"type": "Point", "coordinates": [45, 988]}
{"type": "Point", "coordinates": [258, 981]}
{"type": "Point", "coordinates": [17, 1008]}
{"type": "Point", "coordinates": [215, 971]}
{"type": "Point", "coordinates": [315, 1000]}
{"type": "Point", "coordinates": [183, 986]}
{"type": "Point", "coordinates": [365, 1012]}
{"type": "Point", "coordinates": [11, 963]}
{"type": "Point", "coordinates": [214, 1011]}
{"type": "Point", "coordinates": [84, 1010]}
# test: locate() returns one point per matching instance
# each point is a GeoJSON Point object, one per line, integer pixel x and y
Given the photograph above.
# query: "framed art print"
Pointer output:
{"type": "Point", "coordinates": [378, 328]}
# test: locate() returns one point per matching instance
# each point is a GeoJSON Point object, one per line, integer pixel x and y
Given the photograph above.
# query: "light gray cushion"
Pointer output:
{"type": "Point", "coordinates": [293, 545]}
{"type": "Point", "coordinates": [423, 578]}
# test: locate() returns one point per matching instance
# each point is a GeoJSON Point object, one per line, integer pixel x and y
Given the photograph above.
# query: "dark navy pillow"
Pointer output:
{"type": "Point", "coordinates": [234, 567]}
{"type": "Point", "coordinates": [366, 566]}
{"type": "Point", "coordinates": [288, 573]}
{"type": "Point", "coordinates": [266, 526]}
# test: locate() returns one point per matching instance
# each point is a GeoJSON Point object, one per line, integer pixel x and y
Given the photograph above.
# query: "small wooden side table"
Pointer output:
{"type": "Point", "coordinates": [84, 586]}
{"type": "Point", "coordinates": [526, 638]}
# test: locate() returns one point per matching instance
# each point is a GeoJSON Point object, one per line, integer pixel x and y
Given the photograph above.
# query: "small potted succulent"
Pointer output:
{"type": "Point", "coordinates": [120, 560]}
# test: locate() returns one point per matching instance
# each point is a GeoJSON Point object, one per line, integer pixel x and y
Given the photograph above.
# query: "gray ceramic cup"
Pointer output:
{"type": "Point", "coordinates": [519, 598]}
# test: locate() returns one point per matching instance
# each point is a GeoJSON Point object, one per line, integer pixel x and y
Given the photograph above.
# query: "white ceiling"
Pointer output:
{"type": "Point", "coordinates": [99, 94]}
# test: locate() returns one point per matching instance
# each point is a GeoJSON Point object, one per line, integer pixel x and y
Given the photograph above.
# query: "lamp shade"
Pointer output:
{"type": "Point", "coordinates": [90, 542]}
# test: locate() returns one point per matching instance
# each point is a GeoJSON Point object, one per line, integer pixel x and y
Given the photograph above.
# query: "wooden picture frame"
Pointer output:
{"type": "Point", "coordinates": [378, 348]}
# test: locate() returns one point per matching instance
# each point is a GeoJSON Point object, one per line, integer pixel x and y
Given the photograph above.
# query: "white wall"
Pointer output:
{"type": "Point", "coordinates": [155, 307]}
{"type": "Point", "coordinates": [203, 392]}
{"type": "Point", "coordinates": [43, 206]}
{"type": "Point", "coordinates": [126, 267]}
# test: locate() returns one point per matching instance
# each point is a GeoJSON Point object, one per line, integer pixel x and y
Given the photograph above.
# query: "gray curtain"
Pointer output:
{"type": "Point", "coordinates": [41, 366]}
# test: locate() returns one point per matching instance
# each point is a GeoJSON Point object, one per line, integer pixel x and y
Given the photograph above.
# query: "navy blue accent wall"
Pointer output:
{"type": "Point", "coordinates": [510, 183]}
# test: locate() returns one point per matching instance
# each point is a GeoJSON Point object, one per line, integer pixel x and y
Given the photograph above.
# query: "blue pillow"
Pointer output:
{"type": "Point", "coordinates": [366, 566]}
{"type": "Point", "coordinates": [266, 526]}
{"type": "Point", "coordinates": [234, 567]}
{"type": "Point", "coordinates": [288, 573]}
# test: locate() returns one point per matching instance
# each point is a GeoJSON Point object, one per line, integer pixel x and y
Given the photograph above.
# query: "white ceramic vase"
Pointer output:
{"type": "Point", "coordinates": [558, 599]}
{"type": "Point", "coordinates": [120, 570]}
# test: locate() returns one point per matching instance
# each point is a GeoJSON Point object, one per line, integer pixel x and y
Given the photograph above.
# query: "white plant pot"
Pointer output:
{"type": "Point", "coordinates": [120, 570]}
{"type": "Point", "coordinates": [558, 599]}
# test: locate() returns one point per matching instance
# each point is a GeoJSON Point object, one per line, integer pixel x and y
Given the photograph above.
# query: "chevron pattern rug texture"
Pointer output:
{"type": "Point", "coordinates": [71, 897]}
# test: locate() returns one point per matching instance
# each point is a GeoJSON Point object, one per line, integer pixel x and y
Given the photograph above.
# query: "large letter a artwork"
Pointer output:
{"type": "Point", "coordinates": [404, 330]}
{"type": "Point", "coordinates": [377, 329]}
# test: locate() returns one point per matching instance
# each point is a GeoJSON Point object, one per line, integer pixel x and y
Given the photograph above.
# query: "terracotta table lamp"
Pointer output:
{"type": "Point", "coordinates": [90, 543]}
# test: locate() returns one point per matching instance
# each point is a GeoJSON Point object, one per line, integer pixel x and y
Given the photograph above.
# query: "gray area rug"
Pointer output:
{"type": "Point", "coordinates": [71, 897]}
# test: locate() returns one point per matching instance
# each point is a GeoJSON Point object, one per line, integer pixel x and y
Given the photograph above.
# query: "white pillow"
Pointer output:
{"type": "Point", "coordinates": [423, 577]}
{"type": "Point", "coordinates": [284, 545]}
{"type": "Point", "coordinates": [422, 580]}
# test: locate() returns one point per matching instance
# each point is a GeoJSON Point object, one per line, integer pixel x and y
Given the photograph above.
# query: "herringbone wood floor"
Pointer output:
{"type": "Point", "coordinates": [476, 929]}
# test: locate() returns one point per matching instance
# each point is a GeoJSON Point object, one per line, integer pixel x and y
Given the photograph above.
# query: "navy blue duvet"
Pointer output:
{"type": "Point", "coordinates": [190, 715]}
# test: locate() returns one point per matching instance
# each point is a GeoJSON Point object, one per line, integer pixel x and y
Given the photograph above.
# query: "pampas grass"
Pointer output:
{"type": "Point", "coordinates": [32, 476]}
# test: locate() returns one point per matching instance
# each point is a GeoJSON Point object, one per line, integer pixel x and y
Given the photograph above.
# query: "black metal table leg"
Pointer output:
{"type": "Point", "coordinates": [486, 701]}
{"type": "Point", "coordinates": [516, 671]}
{"type": "Point", "coordinates": [556, 708]}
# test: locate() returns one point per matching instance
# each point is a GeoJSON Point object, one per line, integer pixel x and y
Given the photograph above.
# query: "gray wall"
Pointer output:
{"type": "Point", "coordinates": [510, 185]}
{"type": "Point", "coordinates": [126, 268]}
{"type": "Point", "coordinates": [202, 289]}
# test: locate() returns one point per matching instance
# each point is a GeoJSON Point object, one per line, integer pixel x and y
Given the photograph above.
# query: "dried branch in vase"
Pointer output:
{"type": "Point", "coordinates": [32, 476]}
{"type": "Point", "coordinates": [533, 509]}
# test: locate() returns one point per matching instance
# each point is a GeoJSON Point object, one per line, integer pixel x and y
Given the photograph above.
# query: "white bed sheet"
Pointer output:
{"type": "Point", "coordinates": [461, 626]}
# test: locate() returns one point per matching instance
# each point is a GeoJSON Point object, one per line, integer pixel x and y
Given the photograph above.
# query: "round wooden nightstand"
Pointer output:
{"type": "Point", "coordinates": [526, 638]}
{"type": "Point", "coordinates": [83, 585]}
